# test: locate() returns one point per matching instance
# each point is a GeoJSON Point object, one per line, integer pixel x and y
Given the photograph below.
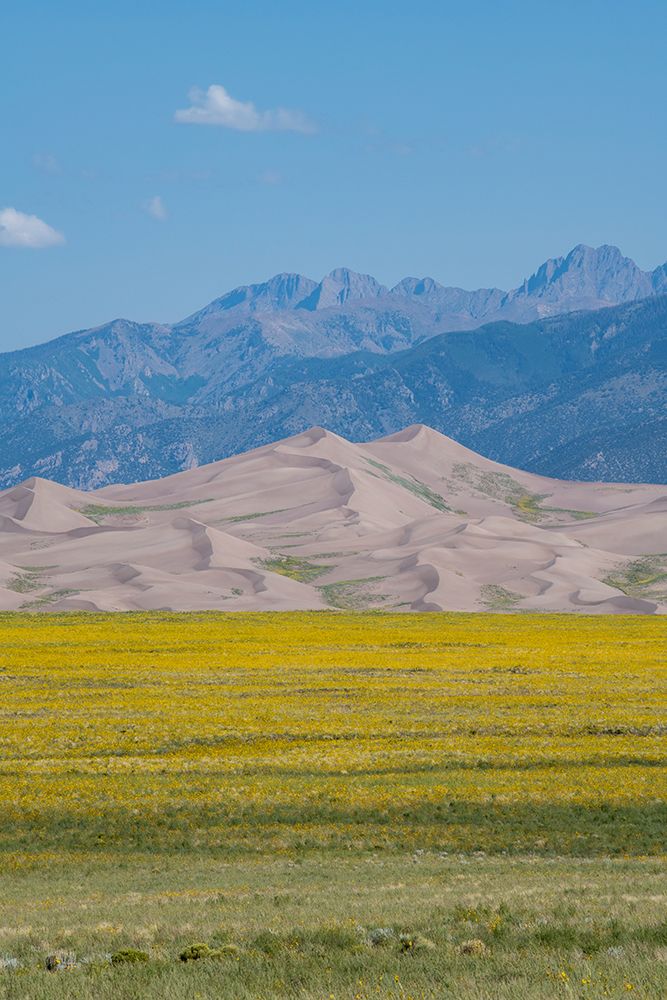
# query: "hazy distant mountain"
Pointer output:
{"type": "Point", "coordinates": [585, 279]}
{"type": "Point", "coordinates": [127, 401]}
{"type": "Point", "coordinates": [579, 396]}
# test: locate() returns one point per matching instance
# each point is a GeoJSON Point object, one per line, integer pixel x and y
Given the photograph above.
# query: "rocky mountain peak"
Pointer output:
{"type": "Point", "coordinates": [588, 277]}
{"type": "Point", "coordinates": [282, 291]}
{"type": "Point", "coordinates": [342, 285]}
{"type": "Point", "coordinates": [409, 287]}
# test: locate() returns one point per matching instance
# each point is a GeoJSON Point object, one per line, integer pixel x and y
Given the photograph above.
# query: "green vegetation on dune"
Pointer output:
{"type": "Point", "coordinates": [575, 515]}
{"type": "Point", "coordinates": [351, 595]}
{"type": "Point", "coordinates": [236, 518]}
{"type": "Point", "coordinates": [98, 512]}
{"type": "Point", "coordinates": [414, 486]}
{"type": "Point", "coordinates": [497, 598]}
{"type": "Point", "coordinates": [52, 597]}
{"type": "Point", "coordinates": [295, 568]}
{"type": "Point", "coordinates": [501, 486]}
{"type": "Point", "coordinates": [26, 580]}
{"type": "Point", "coordinates": [644, 577]}
{"type": "Point", "coordinates": [31, 580]}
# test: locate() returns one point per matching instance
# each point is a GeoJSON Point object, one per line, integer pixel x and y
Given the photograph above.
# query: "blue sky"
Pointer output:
{"type": "Point", "coordinates": [466, 141]}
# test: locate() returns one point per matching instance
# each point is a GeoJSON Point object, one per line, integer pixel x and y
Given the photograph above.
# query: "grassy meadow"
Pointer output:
{"type": "Point", "coordinates": [337, 805]}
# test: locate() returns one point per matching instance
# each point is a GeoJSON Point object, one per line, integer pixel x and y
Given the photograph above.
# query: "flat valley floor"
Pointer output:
{"type": "Point", "coordinates": [332, 805]}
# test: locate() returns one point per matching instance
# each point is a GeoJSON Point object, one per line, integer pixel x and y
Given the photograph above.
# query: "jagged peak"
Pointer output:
{"type": "Point", "coordinates": [606, 254]}
{"type": "Point", "coordinates": [282, 291]}
{"type": "Point", "coordinates": [416, 286]}
{"type": "Point", "coordinates": [450, 298]}
{"type": "Point", "coordinates": [601, 272]}
{"type": "Point", "coordinates": [340, 286]}
{"type": "Point", "coordinates": [602, 267]}
{"type": "Point", "coordinates": [659, 279]}
{"type": "Point", "coordinates": [348, 277]}
{"type": "Point", "coordinates": [288, 286]}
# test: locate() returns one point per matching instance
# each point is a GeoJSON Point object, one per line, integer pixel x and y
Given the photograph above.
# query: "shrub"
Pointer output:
{"type": "Point", "coordinates": [411, 944]}
{"type": "Point", "coordinates": [380, 935]}
{"type": "Point", "coordinates": [334, 936]}
{"type": "Point", "coordinates": [226, 951]}
{"type": "Point", "coordinates": [128, 956]}
{"type": "Point", "coordinates": [60, 961]}
{"type": "Point", "coordinates": [195, 951]}
{"type": "Point", "coordinates": [473, 947]}
{"type": "Point", "coordinates": [268, 942]}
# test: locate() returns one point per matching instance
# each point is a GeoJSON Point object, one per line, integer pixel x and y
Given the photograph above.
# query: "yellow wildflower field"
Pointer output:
{"type": "Point", "coordinates": [287, 732]}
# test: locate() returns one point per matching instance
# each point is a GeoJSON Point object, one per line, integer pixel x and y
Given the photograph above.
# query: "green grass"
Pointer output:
{"type": "Point", "coordinates": [501, 486]}
{"type": "Point", "coordinates": [236, 518]}
{"type": "Point", "coordinates": [98, 512]}
{"type": "Point", "coordinates": [352, 595]}
{"type": "Point", "coordinates": [575, 515]}
{"type": "Point", "coordinates": [25, 581]}
{"type": "Point", "coordinates": [28, 579]}
{"type": "Point", "coordinates": [316, 888]}
{"type": "Point", "coordinates": [295, 568]}
{"type": "Point", "coordinates": [644, 577]}
{"type": "Point", "coordinates": [317, 927]}
{"type": "Point", "coordinates": [497, 598]}
{"type": "Point", "coordinates": [31, 579]}
{"type": "Point", "coordinates": [414, 486]}
{"type": "Point", "coordinates": [50, 598]}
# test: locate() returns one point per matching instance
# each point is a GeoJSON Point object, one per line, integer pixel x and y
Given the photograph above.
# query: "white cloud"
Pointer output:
{"type": "Point", "coordinates": [217, 107]}
{"type": "Point", "coordinates": [20, 230]}
{"type": "Point", "coordinates": [156, 207]}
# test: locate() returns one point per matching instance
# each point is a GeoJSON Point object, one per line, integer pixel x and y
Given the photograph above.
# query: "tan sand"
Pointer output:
{"type": "Point", "coordinates": [413, 521]}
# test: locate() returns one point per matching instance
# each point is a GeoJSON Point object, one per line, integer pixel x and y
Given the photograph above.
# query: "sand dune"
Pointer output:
{"type": "Point", "coordinates": [40, 505]}
{"type": "Point", "coordinates": [413, 521]}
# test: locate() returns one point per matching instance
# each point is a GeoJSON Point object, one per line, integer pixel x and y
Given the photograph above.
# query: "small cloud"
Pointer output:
{"type": "Point", "coordinates": [46, 162]}
{"type": "Point", "coordinates": [20, 230]}
{"type": "Point", "coordinates": [271, 178]}
{"type": "Point", "coordinates": [156, 208]}
{"type": "Point", "coordinates": [216, 106]}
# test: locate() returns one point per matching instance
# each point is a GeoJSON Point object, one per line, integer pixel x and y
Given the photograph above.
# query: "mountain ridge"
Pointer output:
{"type": "Point", "coordinates": [290, 290]}
{"type": "Point", "coordinates": [622, 280]}
{"type": "Point", "coordinates": [91, 406]}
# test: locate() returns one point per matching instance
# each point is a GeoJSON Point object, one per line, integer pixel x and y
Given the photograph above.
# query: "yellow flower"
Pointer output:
{"type": "Point", "coordinates": [165, 726]}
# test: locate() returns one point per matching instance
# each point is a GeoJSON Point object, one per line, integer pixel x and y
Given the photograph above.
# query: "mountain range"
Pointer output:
{"type": "Point", "coordinates": [563, 375]}
{"type": "Point", "coordinates": [412, 522]}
